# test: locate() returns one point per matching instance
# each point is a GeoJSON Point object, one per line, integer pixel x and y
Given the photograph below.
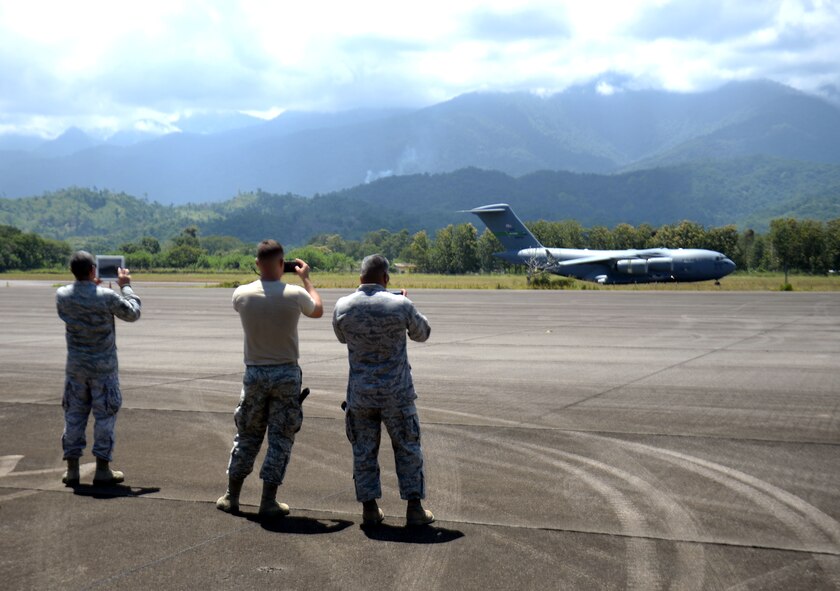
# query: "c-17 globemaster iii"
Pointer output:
{"type": "Point", "coordinates": [648, 265]}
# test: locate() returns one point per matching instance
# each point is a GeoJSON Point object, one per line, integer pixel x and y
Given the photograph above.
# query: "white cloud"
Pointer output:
{"type": "Point", "coordinates": [107, 64]}
{"type": "Point", "coordinates": [605, 88]}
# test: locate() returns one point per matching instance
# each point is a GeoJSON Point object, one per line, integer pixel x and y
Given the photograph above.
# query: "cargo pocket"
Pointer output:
{"type": "Point", "coordinates": [77, 396]}
{"type": "Point", "coordinates": [239, 413]}
{"type": "Point", "coordinates": [348, 426]}
{"type": "Point", "coordinates": [299, 422]}
{"type": "Point", "coordinates": [295, 422]}
{"type": "Point", "coordinates": [412, 424]}
{"type": "Point", "coordinates": [65, 397]}
{"type": "Point", "coordinates": [113, 397]}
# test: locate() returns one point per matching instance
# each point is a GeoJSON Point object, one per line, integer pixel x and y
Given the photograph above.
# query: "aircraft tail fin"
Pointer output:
{"type": "Point", "coordinates": [506, 226]}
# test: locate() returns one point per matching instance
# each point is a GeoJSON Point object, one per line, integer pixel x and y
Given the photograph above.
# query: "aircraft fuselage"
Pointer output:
{"type": "Point", "coordinates": [626, 266]}
{"type": "Point", "coordinates": [648, 265]}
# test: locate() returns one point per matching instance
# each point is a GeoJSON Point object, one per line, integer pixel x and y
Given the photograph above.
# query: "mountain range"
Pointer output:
{"type": "Point", "coordinates": [580, 130]}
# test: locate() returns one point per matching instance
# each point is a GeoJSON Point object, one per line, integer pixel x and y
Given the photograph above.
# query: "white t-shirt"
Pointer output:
{"type": "Point", "coordinates": [269, 311]}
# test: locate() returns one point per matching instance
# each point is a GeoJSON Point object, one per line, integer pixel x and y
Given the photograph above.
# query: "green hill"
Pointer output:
{"type": "Point", "coordinates": [747, 192]}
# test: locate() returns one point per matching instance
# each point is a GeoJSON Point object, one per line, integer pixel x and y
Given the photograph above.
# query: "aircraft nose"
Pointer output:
{"type": "Point", "coordinates": [729, 266]}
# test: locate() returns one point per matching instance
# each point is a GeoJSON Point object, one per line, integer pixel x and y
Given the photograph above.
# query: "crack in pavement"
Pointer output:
{"type": "Point", "coordinates": [672, 366]}
{"type": "Point", "coordinates": [477, 523]}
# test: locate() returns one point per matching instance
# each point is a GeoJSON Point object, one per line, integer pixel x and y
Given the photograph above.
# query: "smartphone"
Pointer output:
{"type": "Point", "coordinates": [397, 292]}
{"type": "Point", "coordinates": [289, 266]}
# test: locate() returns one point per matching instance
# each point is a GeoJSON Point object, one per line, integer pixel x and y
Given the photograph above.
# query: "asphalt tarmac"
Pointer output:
{"type": "Point", "coordinates": [573, 440]}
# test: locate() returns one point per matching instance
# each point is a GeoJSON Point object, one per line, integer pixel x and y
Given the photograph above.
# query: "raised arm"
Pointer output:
{"type": "Point", "coordinates": [418, 327]}
{"type": "Point", "coordinates": [125, 305]}
{"type": "Point", "coordinates": [302, 271]}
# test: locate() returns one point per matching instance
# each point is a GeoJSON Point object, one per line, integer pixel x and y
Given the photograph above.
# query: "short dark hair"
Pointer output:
{"type": "Point", "coordinates": [374, 266]}
{"type": "Point", "coordinates": [81, 263]}
{"type": "Point", "coordinates": [268, 249]}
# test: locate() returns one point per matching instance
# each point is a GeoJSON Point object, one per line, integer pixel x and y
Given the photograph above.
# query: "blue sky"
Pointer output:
{"type": "Point", "coordinates": [105, 65]}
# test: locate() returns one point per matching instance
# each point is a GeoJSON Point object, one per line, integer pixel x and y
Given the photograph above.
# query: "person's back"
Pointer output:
{"type": "Point", "coordinates": [269, 312]}
{"type": "Point", "coordinates": [374, 323]}
{"type": "Point", "coordinates": [91, 374]}
{"type": "Point", "coordinates": [88, 312]}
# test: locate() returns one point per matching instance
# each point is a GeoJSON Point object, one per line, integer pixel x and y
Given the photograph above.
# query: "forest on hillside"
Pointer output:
{"type": "Point", "coordinates": [747, 193]}
{"type": "Point", "coordinates": [809, 246]}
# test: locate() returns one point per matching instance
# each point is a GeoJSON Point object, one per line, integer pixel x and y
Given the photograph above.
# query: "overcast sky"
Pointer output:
{"type": "Point", "coordinates": [107, 64]}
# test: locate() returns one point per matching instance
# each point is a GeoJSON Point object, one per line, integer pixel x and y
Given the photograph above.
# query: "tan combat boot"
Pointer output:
{"type": "Point", "coordinates": [71, 475]}
{"type": "Point", "coordinates": [371, 513]}
{"type": "Point", "coordinates": [229, 502]}
{"type": "Point", "coordinates": [269, 507]}
{"type": "Point", "coordinates": [104, 476]}
{"type": "Point", "coordinates": [415, 514]}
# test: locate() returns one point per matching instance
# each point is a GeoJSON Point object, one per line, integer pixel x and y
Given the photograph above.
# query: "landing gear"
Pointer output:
{"type": "Point", "coordinates": [717, 282]}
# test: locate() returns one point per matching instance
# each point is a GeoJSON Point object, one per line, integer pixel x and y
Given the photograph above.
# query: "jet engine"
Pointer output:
{"type": "Point", "coordinates": [644, 266]}
{"type": "Point", "coordinates": [661, 265]}
{"type": "Point", "coordinates": [632, 266]}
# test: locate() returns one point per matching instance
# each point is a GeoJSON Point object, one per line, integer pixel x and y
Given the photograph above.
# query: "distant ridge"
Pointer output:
{"type": "Point", "coordinates": [747, 192]}
{"type": "Point", "coordinates": [579, 130]}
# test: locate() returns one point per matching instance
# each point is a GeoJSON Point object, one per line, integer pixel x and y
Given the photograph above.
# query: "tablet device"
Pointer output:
{"type": "Point", "coordinates": [107, 265]}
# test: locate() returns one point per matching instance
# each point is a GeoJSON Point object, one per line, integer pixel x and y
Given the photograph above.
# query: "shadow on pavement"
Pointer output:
{"type": "Point", "coordinates": [113, 492]}
{"type": "Point", "coordinates": [299, 525]}
{"type": "Point", "coordinates": [423, 534]}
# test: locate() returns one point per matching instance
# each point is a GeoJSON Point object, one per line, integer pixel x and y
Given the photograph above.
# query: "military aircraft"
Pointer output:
{"type": "Point", "coordinates": [650, 265]}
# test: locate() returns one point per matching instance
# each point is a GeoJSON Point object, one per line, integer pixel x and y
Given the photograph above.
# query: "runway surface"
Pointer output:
{"type": "Point", "coordinates": [573, 440]}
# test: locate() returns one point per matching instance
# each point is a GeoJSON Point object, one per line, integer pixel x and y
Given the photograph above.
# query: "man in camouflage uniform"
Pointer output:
{"type": "Point", "coordinates": [269, 310]}
{"type": "Point", "coordinates": [92, 382]}
{"type": "Point", "coordinates": [373, 322]}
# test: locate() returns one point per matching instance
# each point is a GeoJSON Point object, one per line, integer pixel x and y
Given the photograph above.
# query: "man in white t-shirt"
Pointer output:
{"type": "Point", "coordinates": [269, 310]}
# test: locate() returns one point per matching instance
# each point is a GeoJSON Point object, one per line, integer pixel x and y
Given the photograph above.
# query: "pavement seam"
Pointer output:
{"type": "Point", "coordinates": [678, 364]}
{"type": "Point", "coordinates": [654, 538]}
{"type": "Point", "coordinates": [441, 521]}
{"type": "Point", "coordinates": [182, 381]}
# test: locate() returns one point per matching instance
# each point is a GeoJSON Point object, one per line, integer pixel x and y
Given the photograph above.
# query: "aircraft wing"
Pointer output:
{"type": "Point", "coordinates": [585, 261]}
{"type": "Point", "coordinates": [606, 258]}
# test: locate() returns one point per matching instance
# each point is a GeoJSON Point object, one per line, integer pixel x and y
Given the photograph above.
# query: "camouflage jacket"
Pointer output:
{"type": "Point", "coordinates": [88, 312]}
{"type": "Point", "coordinates": [373, 323]}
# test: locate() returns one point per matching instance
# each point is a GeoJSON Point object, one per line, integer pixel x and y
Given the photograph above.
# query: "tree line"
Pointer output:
{"type": "Point", "coordinates": [189, 250]}
{"type": "Point", "coordinates": [27, 250]}
{"type": "Point", "coordinates": [808, 246]}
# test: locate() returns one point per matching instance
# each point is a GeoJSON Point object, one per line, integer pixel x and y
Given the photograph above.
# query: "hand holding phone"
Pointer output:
{"type": "Point", "coordinates": [297, 267]}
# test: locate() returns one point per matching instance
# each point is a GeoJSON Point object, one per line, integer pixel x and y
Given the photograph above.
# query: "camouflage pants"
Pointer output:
{"type": "Point", "coordinates": [269, 401]}
{"type": "Point", "coordinates": [364, 428]}
{"type": "Point", "coordinates": [81, 396]}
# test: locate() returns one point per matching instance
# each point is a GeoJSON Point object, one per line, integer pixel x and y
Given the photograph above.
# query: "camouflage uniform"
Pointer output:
{"type": "Point", "coordinates": [92, 382]}
{"type": "Point", "coordinates": [269, 401]}
{"type": "Point", "coordinates": [373, 323]}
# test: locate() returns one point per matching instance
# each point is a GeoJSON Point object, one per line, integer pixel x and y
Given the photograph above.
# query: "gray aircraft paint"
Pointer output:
{"type": "Point", "coordinates": [650, 265]}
